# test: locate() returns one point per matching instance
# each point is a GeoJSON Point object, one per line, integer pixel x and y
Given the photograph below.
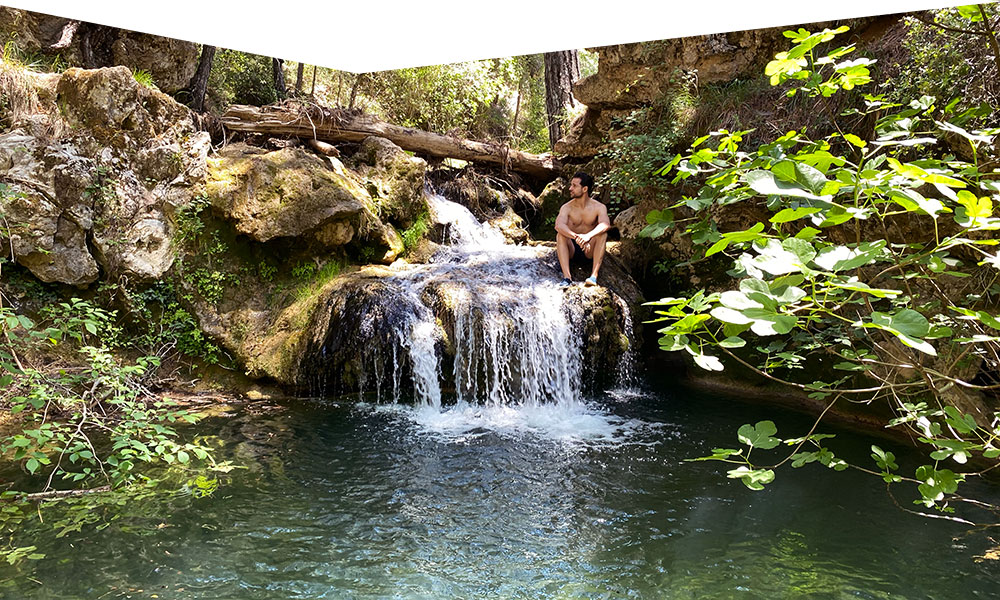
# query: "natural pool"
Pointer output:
{"type": "Point", "coordinates": [342, 500]}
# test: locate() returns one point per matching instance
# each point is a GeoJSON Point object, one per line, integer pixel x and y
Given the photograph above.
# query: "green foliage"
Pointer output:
{"type": "Point", "coordinates": [165, 325]}
{"type": "Point", "coordinates": [241, 78]}
{"type": "Point", "coordinates": [304, 270]}
{"type": "Point", "coordinates": [144, 78]}
{"type": "Point", "coordinates": [943, 63]}
{"type": "Point", "coordinates": [314, 279]}
{"type": "Point", "coordinates": [188, 219]}
{"type": "Point", "coordinates": [641, 144]}
{"type": "Point", "coordinates": [199, 270]}
{"type": "Point", "coordinates": [478, 99]}
{"type": "Point", "coordinates": [199, 251]}
{"type": "Point", "coordinates": [82, 321]}
{"type": "Point", "coordinates": [266, 271]}
{"type": "Point", "coordinates": [414, 233]}
{"type": "Point", "coordinates": [88, 426]}
{"type": "Point", "coordinates": [819, 76]}
{"type": "Point", "coordinates": [826, 277]}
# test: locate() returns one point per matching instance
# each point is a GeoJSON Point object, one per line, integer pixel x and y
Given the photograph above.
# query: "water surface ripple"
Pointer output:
{"type": "Point", "coordinates": [348, 501]}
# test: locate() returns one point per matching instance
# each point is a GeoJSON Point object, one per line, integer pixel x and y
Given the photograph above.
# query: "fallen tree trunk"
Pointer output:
{"type": "Point", "coordinates": [312, 122]}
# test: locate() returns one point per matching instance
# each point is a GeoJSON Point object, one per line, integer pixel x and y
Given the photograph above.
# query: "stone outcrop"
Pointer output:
{"type": "Point", "coordinates": [630, 76]}
{"type": "Point", "coordinates": [170, 62]}
{"type": "Point", "coordinates": [285, 193]}
{"type": "Point", "coordinates": [393, 178]}
{"type": "Point", "coordinates": [295, 193]}
{"type": "Point", "coordinates": [93, 173]}
{"type": "Point", "coordinates": [364, 313]}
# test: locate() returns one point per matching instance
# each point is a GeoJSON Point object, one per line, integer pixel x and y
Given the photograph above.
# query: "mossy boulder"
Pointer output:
{"type": "Point", "coordinates": [555, 194]}
{"type": "Point", "coordinates": [117, 112]}
{"type": "Point", "coordinates": [394, 179]}
{"type": "Point", "coordinates": [286, 193]}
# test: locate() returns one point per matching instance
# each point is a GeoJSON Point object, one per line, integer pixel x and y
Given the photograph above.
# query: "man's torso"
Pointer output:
{"type": "Point", "coordinates": [582, 219]}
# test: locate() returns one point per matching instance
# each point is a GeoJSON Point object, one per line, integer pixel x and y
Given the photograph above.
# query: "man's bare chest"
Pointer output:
{"type": "Point", "coordinates": [581, 218]}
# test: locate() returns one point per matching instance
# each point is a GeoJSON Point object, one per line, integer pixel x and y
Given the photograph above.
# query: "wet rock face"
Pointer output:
{"type": "Point", "coordinates": [360, 335]}
{"type": "Point", "coordinates": [92, 176]}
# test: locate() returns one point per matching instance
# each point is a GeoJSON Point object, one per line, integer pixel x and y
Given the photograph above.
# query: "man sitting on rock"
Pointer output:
{"type": "Point", "coordinates": [581, 229]}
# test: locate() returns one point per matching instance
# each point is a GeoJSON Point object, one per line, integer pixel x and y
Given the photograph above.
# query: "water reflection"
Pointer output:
{"type": "Point", "coordinates": [342, 501]}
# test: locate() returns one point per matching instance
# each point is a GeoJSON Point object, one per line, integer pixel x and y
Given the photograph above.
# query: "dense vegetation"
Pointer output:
{"type": "Point", "coordinates": [501, 100]}
{"type": "Point", "coordinates": [870, 278]}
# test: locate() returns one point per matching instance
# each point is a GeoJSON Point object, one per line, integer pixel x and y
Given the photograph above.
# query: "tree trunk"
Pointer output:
{"type": "Point", "coordinates": [279, 77]}
{"type": "Point", "coordinates": [312, 92]}
{"type": "Point", "coordinates": [561, 70]}
{"type": "Point", "coordinates": [341, 126]}
{"type": "Point", "coordinates": [199, 83]}
{"type": "Point", "coordinates": [299, 73]}
{"type": "Point", "coordinates": [96, 42]}
{"type": "Point", "coordinates": [990, 35]}
{"type": "Point", "coordinates": [354, 90]}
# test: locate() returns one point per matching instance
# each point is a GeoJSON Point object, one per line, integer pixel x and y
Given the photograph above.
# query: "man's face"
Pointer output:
{"type": "Point", "coordinates": [575, 189]}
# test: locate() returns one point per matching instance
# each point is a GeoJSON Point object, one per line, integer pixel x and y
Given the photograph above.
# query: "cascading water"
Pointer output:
{"type": "Point", "coordinates": [513, 349]}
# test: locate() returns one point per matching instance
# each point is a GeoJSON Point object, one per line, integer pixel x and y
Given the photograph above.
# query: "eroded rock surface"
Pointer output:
{"type": "Point", "coordinates": [285, 193]}
{"type": "Point", "coordinates": [97, 188]}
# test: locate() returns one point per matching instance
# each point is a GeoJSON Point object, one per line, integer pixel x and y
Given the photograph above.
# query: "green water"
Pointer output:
{"type": "Point", "coordinates": [342, 501]}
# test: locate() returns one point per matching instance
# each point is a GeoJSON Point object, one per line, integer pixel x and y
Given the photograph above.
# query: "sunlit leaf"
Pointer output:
{"type": "Point", "coordinates": [759, 435]}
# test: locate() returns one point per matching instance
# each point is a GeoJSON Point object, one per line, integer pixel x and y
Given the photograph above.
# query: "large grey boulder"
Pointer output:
{"type": "Point", "coordinates": [94, 174]}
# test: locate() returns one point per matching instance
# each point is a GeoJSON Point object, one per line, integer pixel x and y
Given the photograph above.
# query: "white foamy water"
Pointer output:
{"type": "Point", "coordinates": [574, 424]}
{"type": "Point", "coordinates": [516, 343]}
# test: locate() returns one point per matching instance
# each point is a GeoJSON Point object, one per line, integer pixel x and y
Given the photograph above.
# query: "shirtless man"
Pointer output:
{"type": "Point", "coordinates": [581, 229]}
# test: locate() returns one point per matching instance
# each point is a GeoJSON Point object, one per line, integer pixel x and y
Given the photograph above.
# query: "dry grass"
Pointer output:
{"type": "Point", "coordinates": [17, 96]}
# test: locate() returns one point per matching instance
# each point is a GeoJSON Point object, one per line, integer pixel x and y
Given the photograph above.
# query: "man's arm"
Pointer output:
{"type": "Point", "coordinates": [603, 224]}
{"type": "Point", "coordinates": [562, 225]}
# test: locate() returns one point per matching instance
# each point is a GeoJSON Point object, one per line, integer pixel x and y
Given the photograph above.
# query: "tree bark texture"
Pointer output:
{"type": "Point", "coordinates": [354, 90]}
{"type": "Point", "coordinates": [299, 73]}
{"type": "Point", "coordinates": [199, 83]}
{"type": "Point", "coordinates": [278, 72]}
{"type": "Point", "coordinates": [561, 70]}
{"type": "Point", "coordinates": [341, 126]}
{"type": "Point", "coordinates": [66, 37]}
{"type": "Point", "coordinates": [96, 43]}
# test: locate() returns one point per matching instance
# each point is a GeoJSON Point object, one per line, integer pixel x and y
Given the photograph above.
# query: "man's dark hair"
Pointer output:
{"type": "Point", "coordinates": [585, 181]}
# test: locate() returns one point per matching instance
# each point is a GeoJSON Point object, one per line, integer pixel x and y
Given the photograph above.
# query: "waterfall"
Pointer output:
{"type": "Point", "coordinates": [484, 324]}
{"type": "Point", "coordinates": [513, 342]}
